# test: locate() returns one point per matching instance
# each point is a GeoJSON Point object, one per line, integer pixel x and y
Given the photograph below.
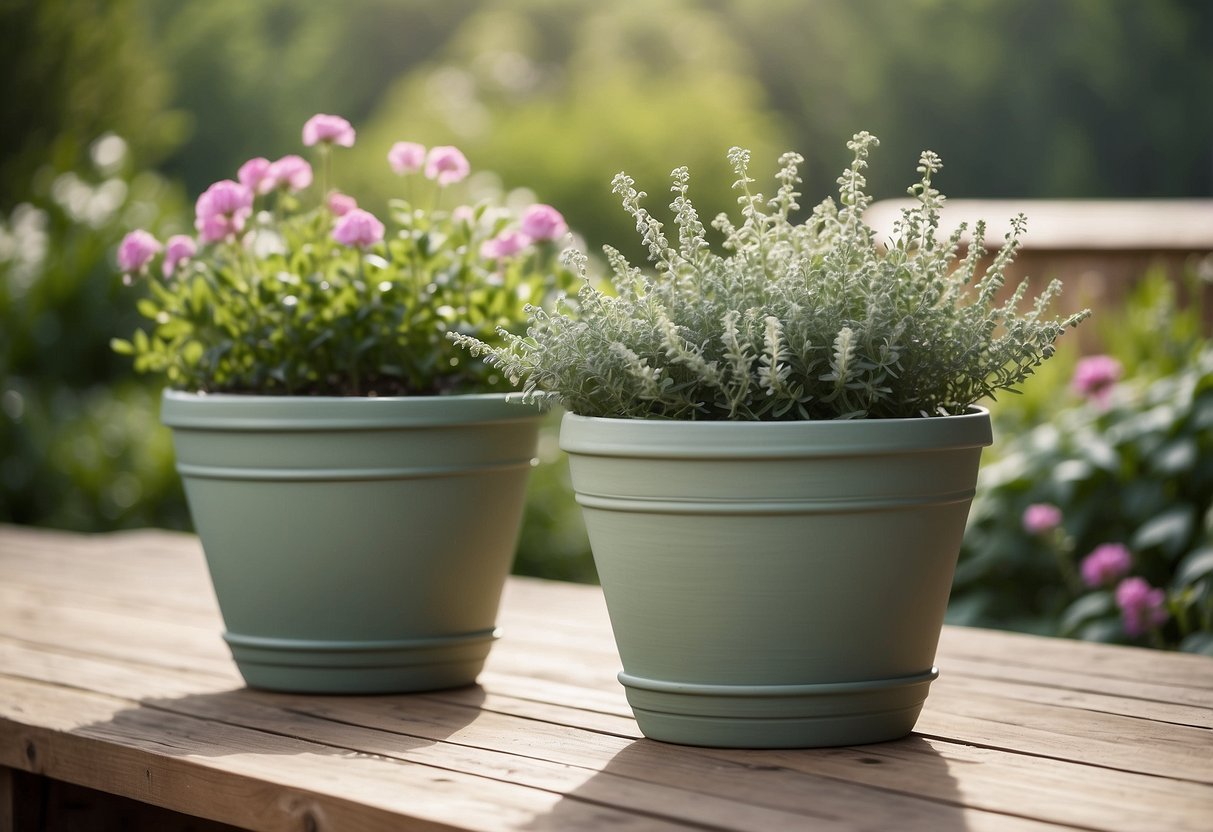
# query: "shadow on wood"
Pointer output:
{"type": "Point", "coordinates": [819, 789]}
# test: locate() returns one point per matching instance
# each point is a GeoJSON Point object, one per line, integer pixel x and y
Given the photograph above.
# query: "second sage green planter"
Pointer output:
{"type": "Point", "coordinates": [356, 545]}
{"type": "Point", "coordinates": [776, 584]}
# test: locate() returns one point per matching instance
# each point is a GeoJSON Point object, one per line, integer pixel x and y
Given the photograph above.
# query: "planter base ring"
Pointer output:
{"type": "Point", "coordinates": [360, 667]}
{"type": "Point", "coordinates": [777, 716]}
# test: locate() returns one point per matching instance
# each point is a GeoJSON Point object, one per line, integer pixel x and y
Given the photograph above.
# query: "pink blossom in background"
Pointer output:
{"type": "Point", "coordinates": [180, 249]}
{"type": "Point", "coordinates": [341, 204]}
{"type": "Point", "coordinates": [292, 172]}
{"type": "Point", "coordinates": [446, 164]}
{"type": "Point", "coordinates": [136, 249]}
{"type": "Point", "coordinates": [1040, 518]}
{"type": "Point", "coordinates": [358, 229]}
{"type": "Point", "coordinates": [254, 175]}
{"type": "Point", "coordinates": [1141, 606]}
{"type": "Point", "coordinates": [505, 244]}
{"type": "Point", "coordinates": [543, 222]}
{"type": "Point", "coordinates": [329, 129]}
{"type": "Point", "coordinates": [406, 157]}
{"type": "Point", "coordinates": [465, 214]}
{"type": "Point", "coordinates": [225, 197]}
{"type": "Point", "coordinates": [1095, 376]}
{"type": "Point", "coordinates": [1106, 564]}
{"type": "Point", "coordinates": [222, 209]}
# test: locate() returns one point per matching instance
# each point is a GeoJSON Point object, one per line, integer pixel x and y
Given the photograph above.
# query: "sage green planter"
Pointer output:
{"type": "Point", "coordinates": [356, 545]}
{"type": "Point", "coordinates": [776, 584]}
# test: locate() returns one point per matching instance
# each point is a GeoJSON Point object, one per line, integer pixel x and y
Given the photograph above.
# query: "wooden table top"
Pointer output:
{"type": "Point", "coordinates": [113, 676]}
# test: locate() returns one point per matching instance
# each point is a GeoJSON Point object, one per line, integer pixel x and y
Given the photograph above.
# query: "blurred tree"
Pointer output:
{"type": "Point", "coordinates": [250, 74]}
{"type": "Point", "coordinates": [558, 97]}
{"type": "Point", "coordinates": [79, 445]}
{"type": "Point", "coordinates": [1035, 98]}
{"type": "Point", "coordinates": [72, 70]}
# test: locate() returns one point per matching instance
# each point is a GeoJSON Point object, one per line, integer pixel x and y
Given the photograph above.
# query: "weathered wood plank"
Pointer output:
{"type": "Point", "coordinates": [1099, 737]}
{"type": "Point", "coordinates": [1197, 716]}
{"type": "Point", "coordinates": [262, 780]}
{"type": "Point", "coordinates": [653, 782]}
{"type": "Point", "coordinates": [8, 803]}
{"type": "Point", "coordinates": [1106, 740]}
{"type": "Point", "coordinates": [992, 781]}
{"type": "Point", "coordinates": [1107, 660]}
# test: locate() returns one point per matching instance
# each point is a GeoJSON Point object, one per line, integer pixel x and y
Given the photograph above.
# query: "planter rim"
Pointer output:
{"type": "Point", "coordinates": [232, 411]}
{"type": "Point", "coordinates": [675, 439]}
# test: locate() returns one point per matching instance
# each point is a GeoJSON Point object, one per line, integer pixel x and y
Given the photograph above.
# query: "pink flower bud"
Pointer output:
{"type": "Point", "coordinates": [328, 129]}
{"type": "Point", "coordinates": [543, 222]}
{"type": "Point", "coordinates": [406, 157]}
{"type": "Point", "coordinates": [222, 209]}
{"type": "Point", "coordinates": [254, 175]}
{"type": "Point", "coordinates": [465, 214]}
{"type": "Point", "coordinates": [1105, 565]}
{"type": "Point", "coordinates": [505, 244]}
{"type": "Point", "coordinates": [446, 164]}
{"type": "Point", "coordinates": [292, 172]}
{"type": "Point", "coordinates": [358, 229]}
{"type": "Point", "coordinates": [1095, 376]}
{"type": "Point", "coordinates": [341, 204]}
{"type": "Point", "coordinates": [1041, 518]}
{"type": "Point", "coordinates": [1142, 607]}
{"type": "Point", "coordinates": [179, 250]}
{"type": "Point", "coordinates": [136, 249]}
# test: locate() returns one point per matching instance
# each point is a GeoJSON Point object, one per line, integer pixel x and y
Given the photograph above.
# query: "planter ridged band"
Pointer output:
{"type": "Point", "coordinates": [356, 545]}
{"type": "Point", "coordinates": [776, 584]}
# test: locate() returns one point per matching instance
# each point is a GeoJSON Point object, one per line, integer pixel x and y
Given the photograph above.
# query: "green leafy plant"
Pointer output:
{"type": "Point", "coordinates": [1097, 522]}
{"type": "Point", "coordinates": [292, 289]}
{"type": "Point", "coordinates": [797, 320]}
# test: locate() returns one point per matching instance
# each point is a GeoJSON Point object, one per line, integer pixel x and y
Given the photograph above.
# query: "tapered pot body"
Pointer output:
{"type": "Point", "coordinates": [356, 545]}
{"type": "Point", "coordinates": [776, 584]}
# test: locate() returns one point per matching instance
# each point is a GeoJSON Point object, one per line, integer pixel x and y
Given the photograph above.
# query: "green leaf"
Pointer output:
{"type": "Point", "coordinates": [192, 353]}
{"type": "Point", "coordinates": [198, 294]}
{"type": "Point", "coordinates": [1168, 531]}
{"type": "Point", "coordinates": [1195, 566]}
{"type": "Point", "coordinates": [122, 347]}
{"type": "Point", "coordinates": [1177, 457]}
{"type": "Point", "coordinates": [1199, 642]}
{"type": "Point", "coordinates": [1093, 605]}
{"type": "Point", "coordinates": [1103, 630]}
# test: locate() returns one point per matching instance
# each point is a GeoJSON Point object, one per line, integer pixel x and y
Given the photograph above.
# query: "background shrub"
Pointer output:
{"type": "Point", "coordinates": [1135, 471]}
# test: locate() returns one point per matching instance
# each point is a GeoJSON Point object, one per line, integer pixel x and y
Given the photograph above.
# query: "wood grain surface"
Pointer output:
{"type": "Point", "coordinates": [114, 678]}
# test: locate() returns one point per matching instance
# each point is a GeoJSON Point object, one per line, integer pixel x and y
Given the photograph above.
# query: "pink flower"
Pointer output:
{"type": "Point", "coordinates": [1141, 606]}
{"type": "Point", "coordinates": [328, 129]}
{"type": "Point", "coordinates": [1041, 518]}
{"type": "Point", "coordinates": [543, 222]}
{"type": "Point", "coordinates": [136, 249]}
{"type": "Point", "coordinates": [1095, 376]}
{"type": "Point", "coordinates": [358, 229]}
{"type": "Point", "coordinates": [446, 164]}
{"type": "Point", "coordinates": [465, 214]}
{"type": "Point", "coordinates": [505, 244]}
{"type": "Point", "coordinates": [341, 204]}
{"type": "Point", "coordinates": [292, 171]}
{"type": "Point", "coordinates": [222, 209]}
{"type": "Point", "coordinates": [406, 157]}
{"type": "Point", "coordinates": [1106, 564]}
{"type": "Point", "coordinates": [254, 175]}
{"type": "Point", "coordinates": [179, 250]}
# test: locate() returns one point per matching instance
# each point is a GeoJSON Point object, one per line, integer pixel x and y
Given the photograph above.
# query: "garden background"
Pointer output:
{"type": "Point", "coordinates": [116, 114]}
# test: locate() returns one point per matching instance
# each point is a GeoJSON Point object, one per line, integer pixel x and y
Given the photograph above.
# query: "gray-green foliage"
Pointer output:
{"type": "Point", "coordinates": [796, 320]}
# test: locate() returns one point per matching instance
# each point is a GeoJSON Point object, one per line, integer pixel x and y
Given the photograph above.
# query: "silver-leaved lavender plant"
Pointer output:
{"type": "Point", "coordinates": [809, 319]}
